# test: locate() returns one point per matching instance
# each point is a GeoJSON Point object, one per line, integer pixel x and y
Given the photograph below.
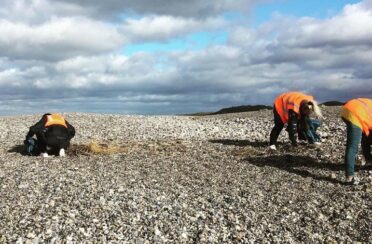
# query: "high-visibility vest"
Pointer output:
{"type": "Point", "coordinates": [359, 112]}
{"type": "Point", "coordinates": [290, 100]}
{"type": "Point", "coordinates": [55, 119]}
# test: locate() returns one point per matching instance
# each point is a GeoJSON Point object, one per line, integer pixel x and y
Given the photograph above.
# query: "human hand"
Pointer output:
{"type": "Point", "coordinates": [361, 160]}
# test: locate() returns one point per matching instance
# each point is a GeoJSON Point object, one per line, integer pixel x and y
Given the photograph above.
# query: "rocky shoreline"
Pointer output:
{"type": "Point", "coordinates": [182, 179]}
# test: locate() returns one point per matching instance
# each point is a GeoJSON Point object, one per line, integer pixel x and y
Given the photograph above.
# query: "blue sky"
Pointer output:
{"type": "Point", "coordinates": [262, 13]}
{"type": "Point", "coordinates": [299, 8]}
{"type": "Point", "coordinates": [192, 42]}
{"type": "Point", "coordinates": [170, 57]}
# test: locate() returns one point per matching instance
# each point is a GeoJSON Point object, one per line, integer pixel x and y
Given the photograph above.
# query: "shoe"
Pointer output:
{"type": "Point", "coordinates": [353, 182]}
{"type": "Point", "coordinates": [62, 152]}
{"type": "Point", "coordinates": [315, 144]}
{"type": "Point", "coordinates": [44, 155]}
{"type": "Point", "coordinates": [272, 147]}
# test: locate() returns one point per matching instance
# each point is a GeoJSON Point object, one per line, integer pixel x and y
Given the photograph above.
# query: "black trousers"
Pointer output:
{"type": "Point", "coordinates": [55, 141]}
{"type": "Point", "coordinates": [366, 145]}
{"type": "Point", "coordinates": [278, 127]}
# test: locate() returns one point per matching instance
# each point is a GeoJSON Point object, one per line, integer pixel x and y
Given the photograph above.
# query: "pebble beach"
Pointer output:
{"type": "Point", "coordinates": [182, 179]}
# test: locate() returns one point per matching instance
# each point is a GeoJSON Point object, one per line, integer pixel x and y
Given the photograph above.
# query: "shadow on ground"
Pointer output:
{"type": "Point", "coordinates": [241, 143]}
{"type": "Point", "coordinates": [18, 149]}
{"type": "Point", "coordinates": [73, 150]}
{"type": "Point", "coordinates": [297, 164]}
{"type": "Point", "coordinates": [21, 150]}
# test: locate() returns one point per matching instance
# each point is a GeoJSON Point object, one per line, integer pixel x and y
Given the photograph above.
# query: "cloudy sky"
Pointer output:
{"type": "Point", "coordinates": [173, 56]}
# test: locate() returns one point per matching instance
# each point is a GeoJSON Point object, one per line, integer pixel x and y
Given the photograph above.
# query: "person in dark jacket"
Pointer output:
{"type": "Point", "coordinates": [53, 135]}
{"type": "Point", "coordinates": [293, 108]}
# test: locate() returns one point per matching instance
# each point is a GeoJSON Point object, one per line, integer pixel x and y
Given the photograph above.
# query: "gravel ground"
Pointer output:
{"type": "Point", "coordinates": [182, 179]}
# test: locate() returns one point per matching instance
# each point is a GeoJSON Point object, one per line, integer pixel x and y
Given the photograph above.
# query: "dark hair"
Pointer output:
{"type": "Point", "coordinates": [303, 122]}
{"type": "Point", "coordinates": [306, 107]}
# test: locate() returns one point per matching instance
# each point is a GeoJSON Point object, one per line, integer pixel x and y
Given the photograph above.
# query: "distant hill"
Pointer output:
{"type": "Point", "coordinates": [332, 103]}
{"type": "Point", "coordinates": [237, 109]}
{"type": "Point", "coordinates": [243, 108]}
{"type": "Point", "coordinates": [250, 108]}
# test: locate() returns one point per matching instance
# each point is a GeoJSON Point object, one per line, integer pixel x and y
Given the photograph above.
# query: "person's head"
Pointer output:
{"type": "Point", "coordinates": [46, 114]}
{"type": "Point", "coordinates": [308, 107]}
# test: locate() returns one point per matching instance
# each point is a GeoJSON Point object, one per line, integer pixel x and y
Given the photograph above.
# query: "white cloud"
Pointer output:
{"type": "Point", "coordinates": [8, 76]}
{"type": "Point", "coordinates": [351, 27]}
{"type": "Point", "coordinates": [190, 8]}
{"type": "Point", "coordinates": [81, 64]}
{"type": "Point", "coordinates": [158, 27]}
{"type": "Point", "coordinates": [38, 11]}
{"type": "Point", "coordinates": [77, 58]}
{"type": "Point", "coordinates": [161, 28]}
{"type": "Point", "coordinates": [57, 38]}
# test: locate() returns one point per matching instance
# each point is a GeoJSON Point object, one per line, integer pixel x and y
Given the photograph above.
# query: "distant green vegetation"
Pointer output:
{"type": "Point", "coordinates": [237, 109]}
{"type": "Point", "coordinates": [250, 108]}
{"type": "Point", "coordinates": [243, 108]}
{"type": "Point", "coordinates": [332, 103]}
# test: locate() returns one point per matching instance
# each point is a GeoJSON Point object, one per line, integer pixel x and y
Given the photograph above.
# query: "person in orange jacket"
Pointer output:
{"type": "Point", "coordinates": [294, 109]}
{"type": "Point", "coordinates": [53, 134]}
{"type": "Point", "coordinates": [357, 114]}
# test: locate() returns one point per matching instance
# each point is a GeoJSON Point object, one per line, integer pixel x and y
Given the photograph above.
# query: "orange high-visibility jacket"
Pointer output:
{"type": "Point", "coordinates": [55, 119]}
{"type": "Point", "coordinates": [290, 100]}
{"type": "Point", "coordinates": [359, 112]}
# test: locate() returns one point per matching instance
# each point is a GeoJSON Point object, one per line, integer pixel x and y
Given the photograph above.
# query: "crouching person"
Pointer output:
{"type": "Point", "coordinates": [293, 108]}
{"type": "Point", "coordinates": [53, 135]}
{"type": "Point", "coordinates": [357, 114]}
{"type": "Point", "coordinates": [306, 129]}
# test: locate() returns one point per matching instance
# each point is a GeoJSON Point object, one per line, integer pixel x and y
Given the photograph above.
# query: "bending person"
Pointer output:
{"type": "Point", "coordinates": [53, 134]}
{"type": "Point", "coordinates": [295, 108]}
{"type": "Point", "coordinates": [357, 114]}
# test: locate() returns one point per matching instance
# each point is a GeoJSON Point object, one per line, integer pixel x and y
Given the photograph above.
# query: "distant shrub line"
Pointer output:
{"type": "Point", "coordinates": [251, 108]}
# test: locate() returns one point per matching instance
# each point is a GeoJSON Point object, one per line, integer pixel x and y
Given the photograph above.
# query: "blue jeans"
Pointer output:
{"type": "Point", "coordinates": [308, 131]}
{"type": "Point", "coordinates": [32, 147]}
{"type": "Point", "coordinates": [354, 135]}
